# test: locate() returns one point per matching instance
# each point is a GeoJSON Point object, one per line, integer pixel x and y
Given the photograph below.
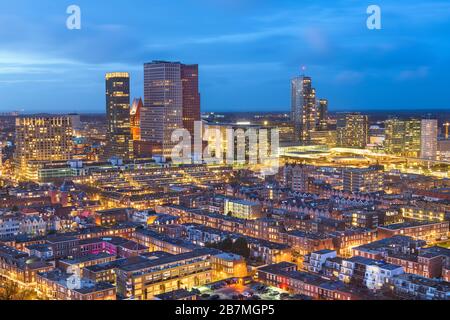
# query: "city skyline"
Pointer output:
{"type": "Point", "coordinates": [247, 53]}
{"type": "Point", "coordinates": [224, 151]}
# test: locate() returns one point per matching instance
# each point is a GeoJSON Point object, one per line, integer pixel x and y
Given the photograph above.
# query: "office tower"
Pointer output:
{"type": "Point", "coordinates": [428, 144]}
{"type": "Point", "coordinates": [135, 119]}
{"type": "Point", "coordinates": [303, 108]}
{"type": "Point", "coordinates": [413, 130]}
{"type": "Point", "coordinates": [353, 131]}
{"type": "Point", "coordinates": [1, 157]}
{"type": "Point", "coordinates": [119, 142]}
{"type": "Point", "coordinates": [191, 96]}
{"type": "Point", "coordinates": [171, 101]}
{"type": "Point", "coordinates": [41, 139]}
{"type": "Point", "coordinates": [403, 137]}
{"type": "Point", "coordinates": [163, 104]}
{"type": "Point", "coordinates": [322, 114]}
{"type": "Point", "coordinates": [364, 180]}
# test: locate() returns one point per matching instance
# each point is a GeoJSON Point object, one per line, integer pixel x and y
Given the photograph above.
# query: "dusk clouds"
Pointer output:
{"type": "Point", "coordinates": [247, 51]}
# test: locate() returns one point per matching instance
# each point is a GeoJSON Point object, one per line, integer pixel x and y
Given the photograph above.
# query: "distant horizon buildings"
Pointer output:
{"type": "Point", "coordinates": [119, 140]}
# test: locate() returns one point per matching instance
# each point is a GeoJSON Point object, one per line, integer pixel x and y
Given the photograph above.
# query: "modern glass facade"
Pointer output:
{"type": "Point", "coordinates": [119, 141]}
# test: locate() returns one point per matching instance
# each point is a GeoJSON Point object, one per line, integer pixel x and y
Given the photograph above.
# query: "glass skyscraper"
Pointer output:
{"type": "Point", "coordinates": [171, 101]}
{"type": "Point", "coordinates": [303, 108]}
{"type": "Point", "coordinates": [119, 141]}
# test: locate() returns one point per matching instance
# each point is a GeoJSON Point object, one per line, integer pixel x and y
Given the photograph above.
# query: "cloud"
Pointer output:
{"type": "Point", "coordinates": [258, 47]}
{"type": "Point", "coordinates": [418, 73]}
{"type": "Point", "coordinates": [350, 77]}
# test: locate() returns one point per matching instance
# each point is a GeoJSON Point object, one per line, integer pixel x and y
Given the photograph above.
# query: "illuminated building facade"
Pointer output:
{"type": "Point", "coordinates": [403, 137]}
{"type": "Point", "coordinates": [54, 285]}
{"type": "Point", "coordinates": [228, 265]}
{"type": "Point", "coordinates": [144, 280]}
{"type": "Point", "coordinates": [364, 180]}
{"type": "Point", "coordinates": [324, 137]}
{"type": "Point", "coordinates": [429, 143]}
{"type": "Point", "coordinates": [191, 96]}
{"type": "Point", "coordinates": [163, 103]}
{"type": "Point", "coordinates": [242, 209]}
{"type": "Point", "coordinates": [353, 131]}
{"type": "Point", "coordinates": [43, 140]}
{"type": "Point", "coordinates": [322, 114]}
{"type": "Point", "coordinates": [285, 276]}
{"type": "Point", "coordinates": [135, 119]}
{"type": "Point", "coordinates": [240, 148]}
{"type": "Point", "coordinates": [429, 231]}
{"type": "Point", "coordinates": [303, 108]}
{"type": "Point", "coordinates": [119, 140]}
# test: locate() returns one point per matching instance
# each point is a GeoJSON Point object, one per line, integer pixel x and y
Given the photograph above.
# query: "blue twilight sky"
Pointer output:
{"type": "Point", "coordinates": [247, 51]}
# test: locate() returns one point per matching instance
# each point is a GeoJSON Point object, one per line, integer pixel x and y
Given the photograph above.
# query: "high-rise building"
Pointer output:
{"type": "Point", "coordinates": [353, 131]}
{"type": "Point", "coordinates": [403, 137]}
{"type": "Point", "coordinates": [163, 104]}
{"type": "Point", "coordinates": [119, 141]}
{"type": "Point", "coordinates": [191, 96]}
{"type": "Point", "coordinates": [1, 157]}
{"type": "Point", "coordinates": [135, 119]}
{"type": "Point", "coordinates": [303, 108]}
{"type": "Point", "coordinates": [429, 143]}
{"type": "Point", "coordinates": [322, 114]}
{"type": "Point", "coordinates": [41, 139]}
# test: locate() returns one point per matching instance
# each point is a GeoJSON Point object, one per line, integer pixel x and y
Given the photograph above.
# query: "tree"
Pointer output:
{"type": "Point", "coordinates": [11, 291]}
{"type": "Point", "coordinates": [241, 248]}
{"type": "Point", "coordinates": [226, 245]}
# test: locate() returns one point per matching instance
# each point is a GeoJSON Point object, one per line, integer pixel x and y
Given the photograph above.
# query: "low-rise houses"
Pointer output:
{"type": "Point", "coordinates": [370, 273]}
{"type": "Point", "coordinates": [431, 232]}
{"type": "Point", "coordinates": [20, 267]}
{"type": "Point", "coordinates": [383, 248]}
{"type": "Point", "coordinates": [58, 285]}
{"type": "Point", "coordinates": [147, 230]}
{"type": "Point", "coordinates": [410, 286]}
{"type": "Point", "coordinates": [428, 262]}
{"type": "Point", "coordinates": [285, 276]}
